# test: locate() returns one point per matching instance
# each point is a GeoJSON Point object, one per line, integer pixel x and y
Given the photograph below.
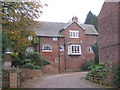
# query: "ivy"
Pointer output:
{"type": "Point", "coordinates": [116, 76]}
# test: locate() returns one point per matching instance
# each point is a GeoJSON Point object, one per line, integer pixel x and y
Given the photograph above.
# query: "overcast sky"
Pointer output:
{"type": "Point", "coordinates": [64, 10]}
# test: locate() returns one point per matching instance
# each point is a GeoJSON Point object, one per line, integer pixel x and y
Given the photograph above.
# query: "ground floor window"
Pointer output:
{"type": "Point", "coordinates": [90, 49]}
{"type": "Point", "coordinates": [47, 48]}
{"type": "Point", "coordinates": [61, 48]}
{"type": "Point", "coordinates": [30, 49]}
{"type": "Point", "coordinates": [74, 49]}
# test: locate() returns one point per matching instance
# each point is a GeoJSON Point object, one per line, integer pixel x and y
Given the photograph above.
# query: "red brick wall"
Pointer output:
{"type": "Point", "coordinates": [119, 33]}
{"type": "Point", "coordinates": [108, 32]}
{"type": "Point", "coordinates": [90, 41]}
{"type": "Point", "coordinates": [74, 62]}
{"type": "Point", "coordinates": [49, 69]}
{"type": "Point", "coordinates": [50, 56]}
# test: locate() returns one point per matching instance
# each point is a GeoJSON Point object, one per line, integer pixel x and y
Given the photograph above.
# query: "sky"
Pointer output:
{"type": "Point", "coordinates": [64, 10]}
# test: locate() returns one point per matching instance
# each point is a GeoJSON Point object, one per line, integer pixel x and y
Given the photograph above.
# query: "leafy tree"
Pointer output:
{"type": "Point", "coordinates": [5, 41]}
{"type": "Point", "coordinates": [92, 19]}
{"type": "Point", "coordinates": [18, 22]}
{"type": "Point", "coordinates": [95, 50]}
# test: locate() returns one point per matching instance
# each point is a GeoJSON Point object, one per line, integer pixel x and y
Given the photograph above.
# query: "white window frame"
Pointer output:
{"type": "Point", "coordinates": [56, 60]}
{"type": "Point", "coordinates": [30, 49]}
{"type": "Point", "coordinates": [47, 48]}
{"type": "Point", "coordinates": [61, 48]}
{"type": "Point", "coordinates": [30, 38]}
{"type": "Point", "coordinates": [74, 49]}
{"type": "Point", "coordinates": [74, 34]}
{"type": "Point", "coordinates": [55, 38]}
{"type": "Point", "coordinates": [90, 49]}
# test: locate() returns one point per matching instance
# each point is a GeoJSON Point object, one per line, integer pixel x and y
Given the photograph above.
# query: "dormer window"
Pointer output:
{"type": "Point", "coordinates": [74, 34]}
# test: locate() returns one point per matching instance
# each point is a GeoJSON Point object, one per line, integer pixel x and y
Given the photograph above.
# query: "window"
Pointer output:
{"type": "Point", "coordinates": [30, 38]}
{"type": "Point", "coordinates": [74, 49]}
{"type": "Point", "coordinates": [47, 48]}
{"type": "Point", "coordinates": [30, 49]}
{"type": "Point", "coordinates": [55, 39]}
{"type": "Point", "coordinates": [61, 48]}
{"type": "Point", "coordinates": [90, 49]}
{"type": "Point", "coordinates": [74, 34]}
{"type": "Point", "coordinates": [57, 60]}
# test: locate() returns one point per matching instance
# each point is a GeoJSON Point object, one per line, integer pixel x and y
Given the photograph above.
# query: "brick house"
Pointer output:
{"type": "Point", "coordinates": [66, 45]}
{"type": "Point", "coordinates": [109, 33]}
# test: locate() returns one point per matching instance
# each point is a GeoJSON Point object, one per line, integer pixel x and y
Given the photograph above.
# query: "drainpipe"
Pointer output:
{"type": "Point", "coordinates": [59, 56]}
{"type": "Point", "coordinates": [39, 45]}
{"type": "Point", "coordinates": [65, 54]}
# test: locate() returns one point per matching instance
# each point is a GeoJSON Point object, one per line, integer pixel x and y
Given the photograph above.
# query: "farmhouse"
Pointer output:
{"type": "Point", "coordinates": [109, 32]}
{"type": "Point", "coordinates": [66, 45]}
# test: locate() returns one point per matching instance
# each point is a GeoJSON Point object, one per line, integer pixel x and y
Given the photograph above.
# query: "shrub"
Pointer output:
{"type": "Point", "coordinates": [86, 65]}
{"type": "Point", "coordinates": [17, 63]}
{"type": "Point", "coordinates": [36, 57]}
{"type": "Point", "coordinates": [14, 55]}
{"type": "Point", "coordinates": [37, 67]}
{"type": "Point", "coordinates": [29, 60]}
{"type": "Point", "coordinates": [31, 66]}
{"type": "Point", "coordinates": [116, 76]}
{"type": "Point", "coordinates": [45, 62]}
{"type": "Point", "coordinates": [33, 55]}
{"type": "Point", "coordinates": [98, 71]}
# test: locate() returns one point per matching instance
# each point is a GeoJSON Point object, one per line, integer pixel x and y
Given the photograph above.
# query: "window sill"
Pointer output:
{"type": "Point", "coordinates": [74, 37]}
{"type": "Point", "coordinates": [74, 54]}
{"type": "Point", "coordinates": [46, 51]}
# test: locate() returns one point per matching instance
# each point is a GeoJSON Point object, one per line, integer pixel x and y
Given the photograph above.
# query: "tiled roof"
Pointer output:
{"type": "Point", "coordinates": [53, 28]}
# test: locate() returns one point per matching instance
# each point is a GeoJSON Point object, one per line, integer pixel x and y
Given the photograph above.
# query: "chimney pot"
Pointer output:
{"type": "Point", "coordinates": [75, 18]}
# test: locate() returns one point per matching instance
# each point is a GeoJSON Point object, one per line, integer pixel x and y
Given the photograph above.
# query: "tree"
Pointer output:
{"type": "Point", "coordinates": [5, 41]}
{"type": "Point", "coordinates": [92, 19]}
{"type": "Point", "coordinates": [95, 50]}
{"type": "Point", "coordinates": [18, 22]}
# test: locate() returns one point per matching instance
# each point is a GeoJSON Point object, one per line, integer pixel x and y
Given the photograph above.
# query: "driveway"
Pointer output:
{"type": "Point", "coordinates": [70, 80]}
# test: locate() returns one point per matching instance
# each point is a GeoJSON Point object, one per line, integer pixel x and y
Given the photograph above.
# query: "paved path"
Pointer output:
{"type": "Point", "coordinates": [72, 80]}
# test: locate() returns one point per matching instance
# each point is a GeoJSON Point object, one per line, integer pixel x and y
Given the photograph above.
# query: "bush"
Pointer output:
{"type": "Point", "coordinates": [31, 66]}
{"type": "Point", "coordinates": [86, 65]}
{"type": "Point", "coordinates": [45, 62]}
{"type": "Point", "coordinates": [17, 63]}
{"type": "Point", "coordinates": [98, 71]}
{"type": "Point", "coordinates": [29, 60]}
{"type": "Point", "coordinates": [36, 57]}
{"type": "Point", "coordinates": [116, 76]}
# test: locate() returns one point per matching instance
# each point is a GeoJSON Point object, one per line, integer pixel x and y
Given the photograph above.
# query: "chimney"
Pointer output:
{"type": "Point", "coordinates": [75, 18]}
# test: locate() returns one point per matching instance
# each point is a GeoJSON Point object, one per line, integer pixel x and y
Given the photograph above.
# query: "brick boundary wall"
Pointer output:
{"type": "Point", "coordinates": [17, 75]}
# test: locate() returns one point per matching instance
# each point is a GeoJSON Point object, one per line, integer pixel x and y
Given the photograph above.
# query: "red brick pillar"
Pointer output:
{"type": "Point", "coordinates": [13, 78]}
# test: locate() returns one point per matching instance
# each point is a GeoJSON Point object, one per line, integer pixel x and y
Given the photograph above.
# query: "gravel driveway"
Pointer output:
{"type": "Point", "coordinates": [71, 80]}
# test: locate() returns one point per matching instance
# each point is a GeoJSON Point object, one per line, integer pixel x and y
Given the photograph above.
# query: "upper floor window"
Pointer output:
{"type": "Point", "coordinates": [74, 34]}
{"type": "Point", "coordinates": [47, 48]}
{"type": "Point", "coordinates": [55, 39]}
{"type": "Point", "coordinates": [30, 38]}
{"type": "Point", "coordinates": [90, 49]}
{"type": "Point", "coordinates": [61, 48]}
{"type": "Point", "coordinates": [74, 49]}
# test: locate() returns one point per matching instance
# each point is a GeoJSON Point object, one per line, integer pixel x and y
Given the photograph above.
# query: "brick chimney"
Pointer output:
{"type": "Point", "coordinates": [75, 18]}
